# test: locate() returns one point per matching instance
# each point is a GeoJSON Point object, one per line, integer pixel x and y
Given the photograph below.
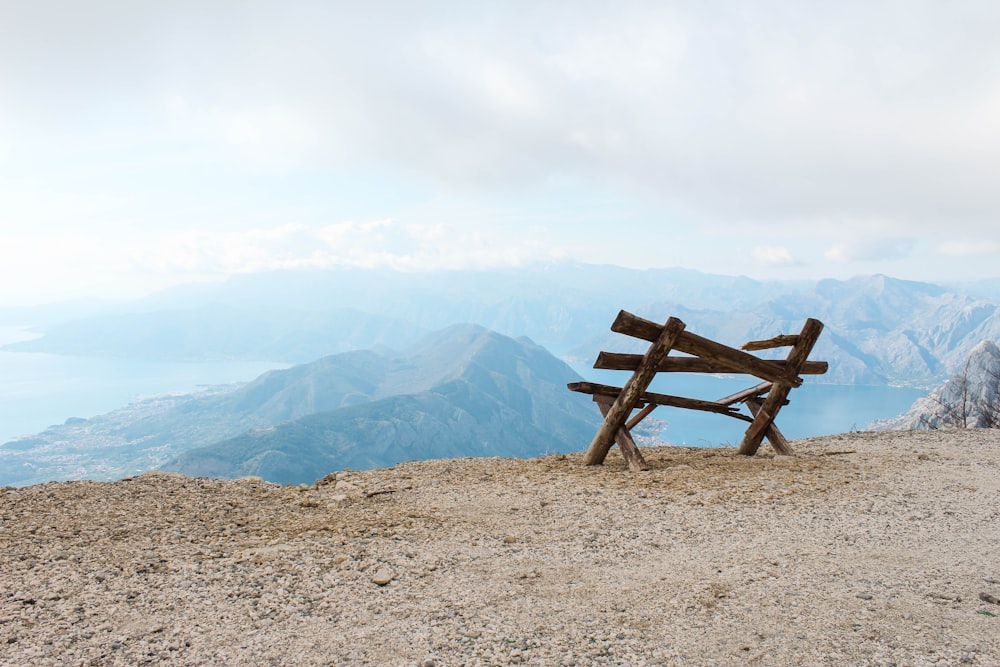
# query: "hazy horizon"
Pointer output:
{"type": "Point", "coordinates": [111, 299]}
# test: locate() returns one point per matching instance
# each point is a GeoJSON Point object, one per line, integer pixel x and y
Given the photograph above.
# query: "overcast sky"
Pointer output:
{"type": "Point", "coordinates": [143, 144]}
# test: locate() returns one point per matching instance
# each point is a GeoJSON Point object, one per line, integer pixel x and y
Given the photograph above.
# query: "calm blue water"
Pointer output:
{"type": "Point", "coordinates": [814, 409]}
{"type": "Point", "coordinates": [39, 390]}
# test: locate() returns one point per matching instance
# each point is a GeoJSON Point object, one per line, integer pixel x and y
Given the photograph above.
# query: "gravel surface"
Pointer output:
{"type": "Point", "coordinates": [865, 549]}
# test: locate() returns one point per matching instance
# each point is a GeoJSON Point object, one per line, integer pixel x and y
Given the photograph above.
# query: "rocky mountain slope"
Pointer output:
{"type": "Point", "coordinates": [970, 399]}
{"type": "Point", "coordinates": [464, 390]}
{"type": "Point", "coordinates": [865, 549]}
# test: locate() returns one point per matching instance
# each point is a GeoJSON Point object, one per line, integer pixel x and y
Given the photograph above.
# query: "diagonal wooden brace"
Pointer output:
{"type": "Point", "coordinates": [776, 398]}
{"type": "Point", "coordinates": [632, 391]}
{"type": "Point", "coordinates": [630, 451]}
{"type": "Point", "coordinates": [777, 439]}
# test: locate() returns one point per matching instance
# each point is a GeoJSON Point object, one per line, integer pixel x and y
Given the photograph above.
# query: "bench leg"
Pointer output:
{"type": "Point", "coordinates": [774, 436]}
{"type": "Point", "coordinates": [630, 451]}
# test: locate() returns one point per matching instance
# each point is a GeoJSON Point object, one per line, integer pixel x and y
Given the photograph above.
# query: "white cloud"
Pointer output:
{"type": "Point", "coordinates": [380, 243]}
{"type": "Point", "coordinates": [774, 256]}
{"type": "Point", "coordinates": [870, 250]}
{"type": "Point", "coordinates": [981, 248]}
{"type": "Point", "coordinates": [787, 112]}
{"type": "Point", "coordinates": [77, 264]}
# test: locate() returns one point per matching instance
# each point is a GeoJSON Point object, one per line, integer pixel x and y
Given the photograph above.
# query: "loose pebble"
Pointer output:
{"type": "Point", "coordinates": [382, 577]}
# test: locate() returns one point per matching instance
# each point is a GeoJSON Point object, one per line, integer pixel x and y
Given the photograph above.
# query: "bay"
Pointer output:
{"type": "Point", "coordinates": [40, 390]}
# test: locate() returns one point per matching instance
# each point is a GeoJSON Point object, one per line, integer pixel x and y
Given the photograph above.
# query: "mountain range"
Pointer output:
{"type": "Point", "coordinates": [879, 330]}
{"type": "Point", "coordinates": [461, 391]}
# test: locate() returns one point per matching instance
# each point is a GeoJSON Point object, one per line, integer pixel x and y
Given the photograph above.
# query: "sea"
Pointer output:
{"type": "Point", "coordinates": [39, 390]}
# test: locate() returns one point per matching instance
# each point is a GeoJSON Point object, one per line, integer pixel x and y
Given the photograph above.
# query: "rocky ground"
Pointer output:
{"type": "Point", "coordinates": [865, 549]}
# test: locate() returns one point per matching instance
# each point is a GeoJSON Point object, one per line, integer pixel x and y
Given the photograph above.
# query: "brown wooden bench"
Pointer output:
{"type": "Point", "coordinates": [763, 400]}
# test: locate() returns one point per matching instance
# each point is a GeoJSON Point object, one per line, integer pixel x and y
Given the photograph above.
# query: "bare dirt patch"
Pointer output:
{"type": "Point", "coordinates": [867, 548]}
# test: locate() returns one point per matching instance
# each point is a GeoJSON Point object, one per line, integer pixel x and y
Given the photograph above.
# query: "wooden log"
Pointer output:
{"type": "Point", "coordinates": [630, 451]}
{"type": "Point", "coordinates": [637, 327]}
{"type": "Point", "coordinates": [774, 436]}
{"type": "Point", "coordinates": [778, 341]}
{"type": "Point", "coordinates": [779, 392]}
{"type": "Point", "coordinates": [632, 391]}
{"type": "Point", "coordinates": [742, 396]}
{"type": "Point", "coordinates": [746, 363]}
{"type": "Point", "coordinates": [618, 361]}
{"type": "Point", "coordinates": [637, 419]}
{"type": "Point", "coordinates": [661, 399]}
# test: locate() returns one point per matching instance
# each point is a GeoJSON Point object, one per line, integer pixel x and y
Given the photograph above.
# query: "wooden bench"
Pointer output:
{"type": "Point", "coordinates": [763, 400]}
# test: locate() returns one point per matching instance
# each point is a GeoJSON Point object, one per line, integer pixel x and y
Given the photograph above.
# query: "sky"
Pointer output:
{"type": "Point", "coordinates": [147, 144]}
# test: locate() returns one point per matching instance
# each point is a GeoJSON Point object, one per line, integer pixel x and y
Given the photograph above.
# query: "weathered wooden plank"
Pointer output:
{"type": "Point", "coordinates": [781, 340]}
{"type": "Point", "coordinates": [661, 399]}
{"type": "Point", "coordinates": [619, 361]}
{"type": "Point", "coordinates": [741, 396]}
{"type": "Point", "coordinates": [637, 419]}
{"type": "Point", "coordinates": [779, 392]}
{"type": "Point", "coordinates": [743, 362]}
{"type": "Point", "coordinates": [774, 436]}
{"type": "Point", "coordinates": [632, 391]}
{"type": "Point", "coordinates": [630, 451]}
{"type": "Point", "coordinates": [637, 327]}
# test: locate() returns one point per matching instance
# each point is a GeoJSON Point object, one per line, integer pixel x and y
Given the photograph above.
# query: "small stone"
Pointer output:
{"type": "Point", "coordinates": [510, 539]}
{"type": "Point", "coordinates": [865, 596]}
{"type": "Point", "coordinates": [382, 577]}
